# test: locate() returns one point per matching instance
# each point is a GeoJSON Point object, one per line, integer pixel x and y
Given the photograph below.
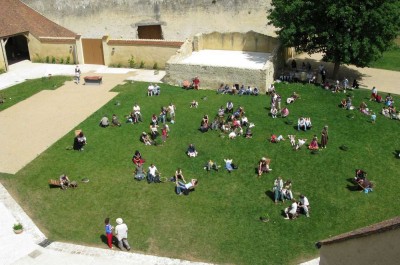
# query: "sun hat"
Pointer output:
{"type": "Point", "coordinates": [263, 159]}
{"type": "Point", "coordinates": [119, 221]}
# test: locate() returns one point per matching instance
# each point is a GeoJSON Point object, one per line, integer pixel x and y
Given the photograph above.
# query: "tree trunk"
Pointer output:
{"type": "Point", "coordinates": [336, 70]}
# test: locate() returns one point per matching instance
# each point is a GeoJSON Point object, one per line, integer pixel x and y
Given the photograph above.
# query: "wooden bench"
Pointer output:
{"type": "Point", "coordinates": [93, 80]}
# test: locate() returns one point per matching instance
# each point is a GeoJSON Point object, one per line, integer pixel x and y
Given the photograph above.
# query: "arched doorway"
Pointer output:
{"type": "Point", "coordinates": [17, 49]}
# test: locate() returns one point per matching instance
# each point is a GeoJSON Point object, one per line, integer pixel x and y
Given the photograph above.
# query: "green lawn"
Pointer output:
{"type": "Point", "coordinates": [390, 60]}
{"type": "Point", "coordinates": [218, 222]}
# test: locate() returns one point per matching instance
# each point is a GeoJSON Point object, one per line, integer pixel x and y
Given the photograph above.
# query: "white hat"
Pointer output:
{"type": "Point", "coordinates": [119, 221]}
{"type": "Point", "coordinates": [263, 159]}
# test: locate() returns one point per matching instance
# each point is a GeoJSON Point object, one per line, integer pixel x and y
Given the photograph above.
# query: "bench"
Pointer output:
{"type": "Point", "coordinates": [93, 80]}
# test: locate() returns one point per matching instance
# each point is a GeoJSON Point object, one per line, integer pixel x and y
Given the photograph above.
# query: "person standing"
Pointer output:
{"type": "Point", "coordinates": [324, 136]}
{"type": "Point", "coordinates": [109, 232]}
{"type": "Point", "coordinates": [77, 74]}
{"type": "Point", "coordinates": [121, 232]}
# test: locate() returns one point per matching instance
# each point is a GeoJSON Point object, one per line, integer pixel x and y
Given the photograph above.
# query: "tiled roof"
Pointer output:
{"type": "Point", "coordinates": [16, 17]}
{"type": "Point", "coordinates": [384, 226]}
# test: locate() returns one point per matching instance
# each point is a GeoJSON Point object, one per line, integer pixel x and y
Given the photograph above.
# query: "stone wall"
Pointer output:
{"type": "Point", "coordinates": [212, 76]}
{"type": "Point", "coordinates": [379, 248]}
{"type": "Point", "coordinates": [59, 48]}
{"type": "Point", "coordinates": [235, 41]}
{"type": "Point", "coordinates": [151, 52]}
{"type": "Point", "coordinates": [179, 19]}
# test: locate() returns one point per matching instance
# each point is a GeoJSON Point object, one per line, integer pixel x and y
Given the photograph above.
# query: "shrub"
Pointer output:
{"type": "Point", "coordinates": [155, 66]}
{"type": "Point", "coordinates": [53, 59]}
{"type": "Point", "coordinates": [119, 65]}
{"type": "Point", "coordinates": [68, 60]}
{"type": "Point", "coordinates": [2, 70]}
{"type": "Point", "coordinates": [47, 59]}
{"type": "Point", "coordinates": [17, 226]}
{"type": "Point", "coordinates": [61, 60]}
{"type": "Point", "coordinates": [141, 64]}
{"type": "Point", "coordinates": [132, 62]}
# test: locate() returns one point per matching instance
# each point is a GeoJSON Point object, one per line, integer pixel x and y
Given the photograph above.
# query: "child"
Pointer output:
{"type": "Point", "coordinates": [109, 228]}
{"type": "Point", "coordinates": [373, 117]}
{"type": "Point", "coordinates": [164, 134]}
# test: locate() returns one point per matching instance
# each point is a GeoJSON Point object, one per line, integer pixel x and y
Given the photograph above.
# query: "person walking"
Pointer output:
{"type": "Point", "coordinates": [109, 232]}
{"type": "Point", "coordinates": [121, 232]}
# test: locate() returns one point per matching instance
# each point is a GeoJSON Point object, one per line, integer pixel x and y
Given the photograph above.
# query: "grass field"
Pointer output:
{"type": "Point", "coordinates": [218, 222]}
{"type": "Point", "coordinates": [390, 60]}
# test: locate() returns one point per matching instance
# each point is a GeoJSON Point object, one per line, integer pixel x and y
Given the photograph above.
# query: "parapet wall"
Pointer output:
{"type": "Point", "coordinates": [235, 41]}
{"type": "Point", "coordinates": [212, 76]}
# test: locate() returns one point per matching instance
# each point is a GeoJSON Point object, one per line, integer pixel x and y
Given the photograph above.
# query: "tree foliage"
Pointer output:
{"type": "Point", "coordinates": [345, 31]}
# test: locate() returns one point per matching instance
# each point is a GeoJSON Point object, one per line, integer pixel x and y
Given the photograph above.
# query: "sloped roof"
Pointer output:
{"type": "Point", "coordinates": [384, 226]}
{"type": "Point", "coordinates": [16, 17]}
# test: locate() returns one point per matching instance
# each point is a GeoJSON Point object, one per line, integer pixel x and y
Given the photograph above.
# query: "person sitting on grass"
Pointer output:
{"type": "Point", "coordinates": [304, 205]}
{"type": "Point", "coordinates": [115, 121]}
{"type": "Point", "coordinates": [139, 173]}
{"type": "Point", "coordinates": [291, 211]}
{"type": "Point", "coordinates": [191, 151]}
{"type": "Point", "coordinates": [263, 166]}
{"type": "Point", "coordinates": [153, 175]}
{"type": "Point", "coordinates": [308, 123]}
{"type": "Point", "coordinates": [204, 125]}
{"type": "Point", "coordinates": [104, 122]}
{"type": "Point", "coordinates": [287, 191]}
{"type": "Point", "coordinates": [248, 133]}
{"type": "Point", "coordinates": [229, 107]}
{"type": "Point", "coordinates": [274, 112]}
{"type": "Point", "coordinates": [79, 141]}
{"type": "Point", "coordinates": [211, 165]}
{"type": "Point", "coordinates": [284, 112]}
{"type": "Point", "coordinates": [178, 176]}
{"type": "Point", "coordinates": [361, 180]}
{"type": "Point", "coordinates": [64, 181]}
{"type": "Point", "coordinates": [145, 138]}
{"type": "Point", "coordinates": [300, 143]}
{"type": "Point", "coordinates": [314, 143]}
{"type": "Point", "coordinates": [137, 158]}
{"type": "Point", "coordinates": [194, 104]}
{"type": "Point", "coordinates": [182, 188]}
{"type": "Point", "coordinates": [136, 112]}
{"type": "Point", "coordinates": [301, 124]}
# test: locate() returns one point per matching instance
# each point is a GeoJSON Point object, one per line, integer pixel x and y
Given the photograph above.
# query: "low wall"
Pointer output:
{"type": "Point", "coordinates": [58, 48]}
{"type": "Point", "coordinates": [212, 76]}
{"type": "Point", "coordinates": [2, 60]}
{"type": "Point", "coordinates": [235, 41]}
{"type": "Point", "coordinates": [119, 52]}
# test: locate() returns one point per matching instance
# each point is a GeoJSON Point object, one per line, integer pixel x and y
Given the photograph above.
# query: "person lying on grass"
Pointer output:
{"type": "Point", "coordinates": [185, 188]}
{"type": "Point", "coordinates": [229, 165]}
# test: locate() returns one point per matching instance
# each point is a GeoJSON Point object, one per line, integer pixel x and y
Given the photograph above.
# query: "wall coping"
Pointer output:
{"type": "Point", "coordinates": [146, 42]}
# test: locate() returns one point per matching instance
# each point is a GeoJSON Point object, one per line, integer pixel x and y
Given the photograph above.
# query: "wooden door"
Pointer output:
{"type": "Point", "coordinates": [93, 51]}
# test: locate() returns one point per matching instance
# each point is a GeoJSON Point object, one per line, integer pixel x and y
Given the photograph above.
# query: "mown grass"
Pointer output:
{"type": "Point", "coordinates": [17, 93]}
{"type": "Point", "coordinates": [390, 59]}
{"type": "Point", "coordinates": [218, 222]}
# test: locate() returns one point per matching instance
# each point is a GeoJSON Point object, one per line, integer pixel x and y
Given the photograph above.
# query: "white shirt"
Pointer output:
{"type": "Point", "coordinates": [293, 208]}
{"type": "Point", "coordinates": [152, 170]}
{"type": "Point", "coordinates": [136, 109]}
{"type": "Point", "coordinates": [171, 108]}
{"type": "Point", "coordinates": [304, 201]}
{"type": "Point", "coordinates": [150, 88]}
{"type": "Point", "coordinates": [121, 231]}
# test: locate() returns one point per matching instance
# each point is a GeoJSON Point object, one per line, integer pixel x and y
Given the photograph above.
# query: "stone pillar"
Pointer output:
{"type": "Point", "coordinates": [106, 50]}
{"type": "Point", "coordinates": [78, 51]}
{"type": "Point", "coordinates": [3, 55]}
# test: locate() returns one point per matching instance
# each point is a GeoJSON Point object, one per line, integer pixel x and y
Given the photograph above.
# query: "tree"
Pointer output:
{"type": "Point", "coordinates": [345, 31]}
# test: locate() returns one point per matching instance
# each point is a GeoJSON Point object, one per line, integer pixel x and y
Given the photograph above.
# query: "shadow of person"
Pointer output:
{"type": "Point", "coordinates": [270, 194]}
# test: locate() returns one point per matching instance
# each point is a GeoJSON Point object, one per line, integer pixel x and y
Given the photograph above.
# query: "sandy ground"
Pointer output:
{"type": "Point", "coordinates": [31, 126]}
{"type": "Point", "coordinates": [385, 80]}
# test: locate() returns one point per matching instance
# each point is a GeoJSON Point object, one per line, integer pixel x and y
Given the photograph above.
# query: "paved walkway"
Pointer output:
{"type": "Point", "coordinates": [385, 80]}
